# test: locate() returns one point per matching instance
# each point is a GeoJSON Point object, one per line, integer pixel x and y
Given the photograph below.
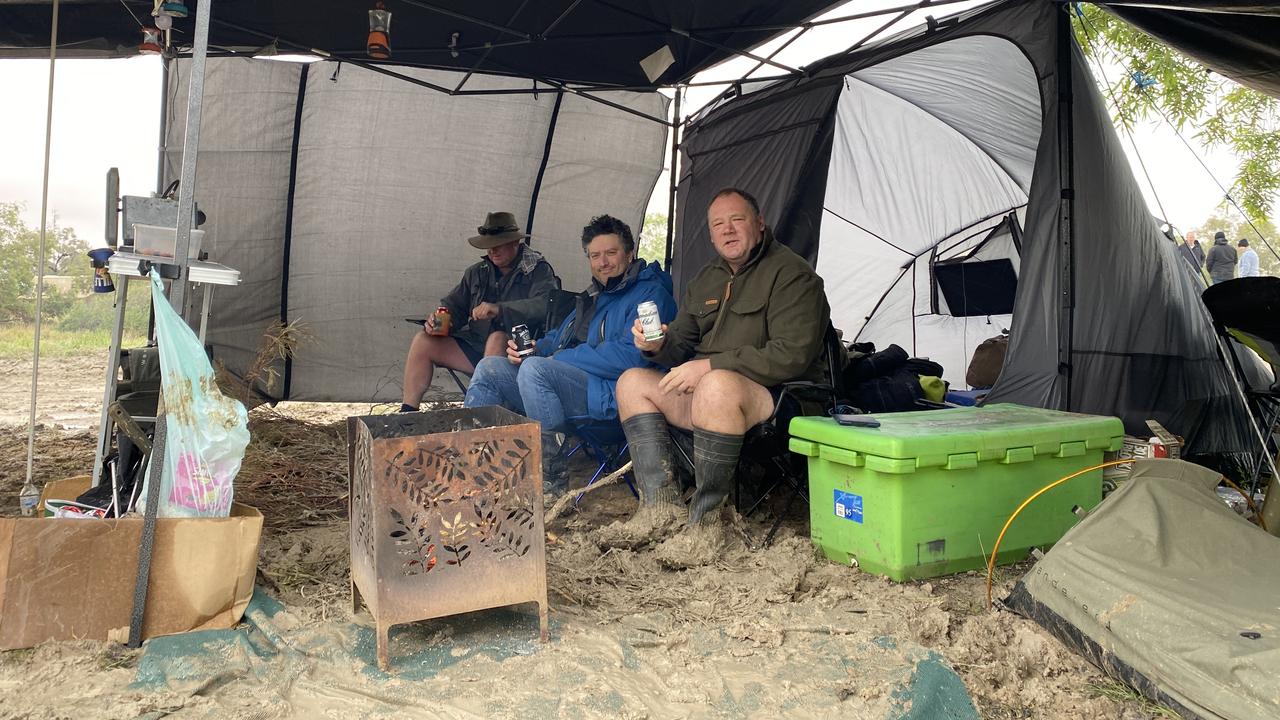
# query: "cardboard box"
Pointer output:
{"type": "Point", "coordinates": [64, 579]}
{"type": "Point", "coordinates": [1141, 449]}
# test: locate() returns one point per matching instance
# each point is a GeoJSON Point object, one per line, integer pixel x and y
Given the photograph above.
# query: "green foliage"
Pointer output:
{"type": "Point", "coordinates": [16, 340]}
{"type": "Point", "coordinates": [20, 262]}
{"type": "Point", "coordinates": [1220, 112]}
{"type": "Point", "coordinates": [1122, 693]}
{"type": "Point", "coordinates": [653, 237]}
{"type": "Point", "coordinates": [97, 312]}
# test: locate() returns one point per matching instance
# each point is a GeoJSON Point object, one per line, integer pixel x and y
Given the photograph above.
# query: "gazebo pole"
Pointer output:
{"type": "Point", "coordinates": [29, 495]}
{"type": "Point", "coordinates": [675, 180]}
{"type": "Point", "coordinates": [1066, 202]}
{"type": "Point", "coordinates": [177, 297]}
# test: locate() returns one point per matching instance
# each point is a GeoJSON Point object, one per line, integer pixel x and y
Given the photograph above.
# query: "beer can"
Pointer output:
{"type": "Point", "coordinates": [523, 339]}
{"type": "Point", "coordinates": [443, 322]}
{"type": "Point", "coordinates": [650, 321]}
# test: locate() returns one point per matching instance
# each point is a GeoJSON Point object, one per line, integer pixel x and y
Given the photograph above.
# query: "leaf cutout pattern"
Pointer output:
{"type": "Point", "coordinates": [458, 501]}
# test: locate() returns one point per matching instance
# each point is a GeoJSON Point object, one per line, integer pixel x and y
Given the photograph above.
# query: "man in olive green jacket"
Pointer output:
{"type": "Point", "coordinates": [749, 321]}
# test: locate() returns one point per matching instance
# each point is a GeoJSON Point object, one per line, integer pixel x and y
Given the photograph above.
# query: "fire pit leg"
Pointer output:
{"type": "Point", "coordinates": [544, 635]}
{"type": "Point", "coordinates": [384, 647]}
{"type": "Point", "coordinates": [356, 600]}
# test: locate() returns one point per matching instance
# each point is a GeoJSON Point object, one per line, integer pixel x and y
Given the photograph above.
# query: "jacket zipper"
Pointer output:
{"type": "Point", "coordinates": [724, 304]}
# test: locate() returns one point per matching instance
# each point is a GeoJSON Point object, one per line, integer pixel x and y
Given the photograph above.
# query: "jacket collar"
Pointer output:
{"type": "Point", "coordinates": [619, 283]}
{"type": "Point", "coordinates": [766, 240]}
{"type": "Point", "coordinates": [526, 260]}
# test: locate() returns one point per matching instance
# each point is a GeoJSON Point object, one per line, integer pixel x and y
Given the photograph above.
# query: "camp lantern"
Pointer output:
{"type": "Point", "coordinates": [165, 12]}
{"type": "Point", "coordinates": [173, 8]}
{"type": "Point", "coordinates": [379, 32]}
{"type": "Point", "coordinates": [150, 44]}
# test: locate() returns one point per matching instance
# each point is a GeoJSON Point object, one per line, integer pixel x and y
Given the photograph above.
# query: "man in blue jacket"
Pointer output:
{"type": "Point", "coordinates": [575, 366]}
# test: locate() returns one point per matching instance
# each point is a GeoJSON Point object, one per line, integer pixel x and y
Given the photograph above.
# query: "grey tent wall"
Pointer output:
{"type": "Point", "coordinates": [243, 177]}
{"type": "Point", "coordinates": [376, 195]}
{"type": "Point", "coordinates": [1141, 345]}
{"type": "Point", "coordinates": [767, 147]}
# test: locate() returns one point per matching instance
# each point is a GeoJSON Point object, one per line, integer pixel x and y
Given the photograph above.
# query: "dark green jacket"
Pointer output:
{"type": "Point", "coordinates": [765, 323]}
{"type": "Point", "coordinates": [521, 294]}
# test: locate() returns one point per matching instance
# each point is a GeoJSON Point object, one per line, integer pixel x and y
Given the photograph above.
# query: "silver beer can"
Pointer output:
{"type": "Point", "coordinates": [650, 321]}
{"type": "Point", "coordinates": [523, 340]}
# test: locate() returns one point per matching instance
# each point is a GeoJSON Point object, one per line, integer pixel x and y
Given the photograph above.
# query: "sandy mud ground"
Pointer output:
{"type": "Point", "coordinates": [779, 632]}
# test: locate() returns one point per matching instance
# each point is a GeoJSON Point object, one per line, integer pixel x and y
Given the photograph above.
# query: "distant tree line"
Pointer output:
{"type": "Point", "coordinates": [65, 254]}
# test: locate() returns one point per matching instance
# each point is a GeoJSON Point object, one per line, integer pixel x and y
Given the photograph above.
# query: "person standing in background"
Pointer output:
{"type": "Point", "coordinates": [1248, 259]}
{"type": "Point", "coordinates": [1221, 262]}
{"type": "Point", "coordinates": [1192, 251]}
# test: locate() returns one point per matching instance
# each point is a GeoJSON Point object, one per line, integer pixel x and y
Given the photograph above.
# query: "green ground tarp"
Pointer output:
{"type": "Point", "coordinates": [1166, 588]}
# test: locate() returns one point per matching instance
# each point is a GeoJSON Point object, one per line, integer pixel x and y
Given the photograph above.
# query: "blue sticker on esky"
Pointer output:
{"type": "Point", "coordinates": [848, 506]}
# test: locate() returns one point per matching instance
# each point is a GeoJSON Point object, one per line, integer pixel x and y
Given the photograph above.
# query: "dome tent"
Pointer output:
{"type": "Point", "coordinates": [886, 164]}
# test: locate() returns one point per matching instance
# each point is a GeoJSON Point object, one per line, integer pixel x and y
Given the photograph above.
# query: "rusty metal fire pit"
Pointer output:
{"type": "Point", "coordinates": [445, 515]}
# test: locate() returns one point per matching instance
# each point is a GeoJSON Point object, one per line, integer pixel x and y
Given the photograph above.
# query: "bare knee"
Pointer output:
{"type": "Point", "coordinates": [725, 400]}
{"type": "Point", "coordinates": [637, 382]}
{"type": "Point", "coordinates": [496, 343]}
{"type": "Point", "coordinates": [634, 391]}
{"type": "Point", "coordinates": [429, 348]}
{"type": "Point", "coordinates": [420, 344]}
{"type": "Point", "coordinates": [719, 388]}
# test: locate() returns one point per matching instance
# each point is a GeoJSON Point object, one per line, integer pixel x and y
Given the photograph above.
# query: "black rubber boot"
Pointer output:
{"type": "Point", "coordinates": [649, 444]}
{"type": "Point", "coordinates": [660, 511]}
{"type": "Point", "coordinates": [555, 466]}
{"type": "Point", "coordinates": [715, 459]}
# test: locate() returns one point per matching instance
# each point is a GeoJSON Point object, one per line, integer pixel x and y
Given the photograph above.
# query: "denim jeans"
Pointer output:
{"type": "Point", "coordinates": [540, 388]}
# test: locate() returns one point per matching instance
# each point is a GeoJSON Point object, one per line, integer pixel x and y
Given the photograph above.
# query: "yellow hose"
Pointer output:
{"type": "Point", "coordinates": [991, 562]}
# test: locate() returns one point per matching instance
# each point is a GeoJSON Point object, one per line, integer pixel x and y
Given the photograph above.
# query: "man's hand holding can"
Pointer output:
{"type": "Point", "coordinates": [649, 346]}
{"type": "Point", "coordinates": [521, 344]}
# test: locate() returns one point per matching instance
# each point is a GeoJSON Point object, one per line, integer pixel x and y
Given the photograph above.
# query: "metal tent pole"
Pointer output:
{"type": "Point", "coordinates": [162, 147]}
{"type": "Point", "coordinates": [674, 181]}
{"type": "Point", "coordinates": [177, 298]}
{"type": "Point", "coordinates": [1066, 200]}
{"type": "Point", "coordinates": [190, 148]}
{"type": "Point", "coordinates": [29, 495]}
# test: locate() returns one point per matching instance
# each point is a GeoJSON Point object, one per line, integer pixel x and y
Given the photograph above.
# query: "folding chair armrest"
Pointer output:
{"type": "Point", "coordinates": [802, 389]}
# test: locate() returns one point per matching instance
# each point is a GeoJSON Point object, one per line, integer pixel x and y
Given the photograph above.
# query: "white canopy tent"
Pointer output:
{"type": "Point", "coordinates": [931, 152]}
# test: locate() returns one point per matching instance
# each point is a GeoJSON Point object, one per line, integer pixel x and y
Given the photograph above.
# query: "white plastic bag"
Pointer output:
{"type": "Point", "coordinates": [206, 431]}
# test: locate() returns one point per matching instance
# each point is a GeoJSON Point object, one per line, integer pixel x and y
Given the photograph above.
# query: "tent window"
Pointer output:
{"type": "Point", "coordinates": [985, 287]}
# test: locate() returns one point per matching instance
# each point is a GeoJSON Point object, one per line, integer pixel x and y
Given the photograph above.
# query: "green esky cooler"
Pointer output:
{"type": "Point", "coordinates": [926, 493]}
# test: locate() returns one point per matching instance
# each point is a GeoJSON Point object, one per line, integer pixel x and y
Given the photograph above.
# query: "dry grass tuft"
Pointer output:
{"type": "Point", "coordinates": [278, 344]}
{"type": "Point", "coordinates": [294, 471]}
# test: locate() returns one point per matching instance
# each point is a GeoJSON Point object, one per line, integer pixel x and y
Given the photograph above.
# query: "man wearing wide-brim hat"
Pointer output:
{"type": "Point", "coordinates": [508, 287]}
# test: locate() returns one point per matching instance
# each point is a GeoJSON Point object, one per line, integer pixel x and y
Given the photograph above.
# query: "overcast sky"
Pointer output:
{"type": "Point", "coordinates": [106, 114]}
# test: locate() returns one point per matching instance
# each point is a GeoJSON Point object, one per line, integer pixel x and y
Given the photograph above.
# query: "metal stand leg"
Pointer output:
{"type": "Point", "coordinates": [207, 292]}
{"type": "Point", "coordinates": [109, 390]}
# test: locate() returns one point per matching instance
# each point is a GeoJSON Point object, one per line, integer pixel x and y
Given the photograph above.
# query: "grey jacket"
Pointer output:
{"type": "Point", "coordinates": [521, 295]}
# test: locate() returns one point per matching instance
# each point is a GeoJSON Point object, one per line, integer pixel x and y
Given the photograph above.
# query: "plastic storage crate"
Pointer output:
{"type": "Point", "coordinates": [926, 493]}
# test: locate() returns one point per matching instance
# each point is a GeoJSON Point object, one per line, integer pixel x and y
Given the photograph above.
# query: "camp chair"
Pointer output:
{"type": "Point", "coordinates": [1247, 310]}
{"type": "Point", "coordinates": [462, 387]}
{"type": "Point", "coordinates": [605, 443]}
{"type": "Point", "coordinates": [765, 445]}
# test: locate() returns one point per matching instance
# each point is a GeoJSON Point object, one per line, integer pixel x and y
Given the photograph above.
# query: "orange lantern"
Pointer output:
{"type": "Point", "coordinates": [151, 43]}
{"type": "Point", "coordinates": [379, 46]}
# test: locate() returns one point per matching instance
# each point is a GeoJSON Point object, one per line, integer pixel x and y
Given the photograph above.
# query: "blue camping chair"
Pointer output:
{"type": "Point", "coordinates": [605, 443]}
